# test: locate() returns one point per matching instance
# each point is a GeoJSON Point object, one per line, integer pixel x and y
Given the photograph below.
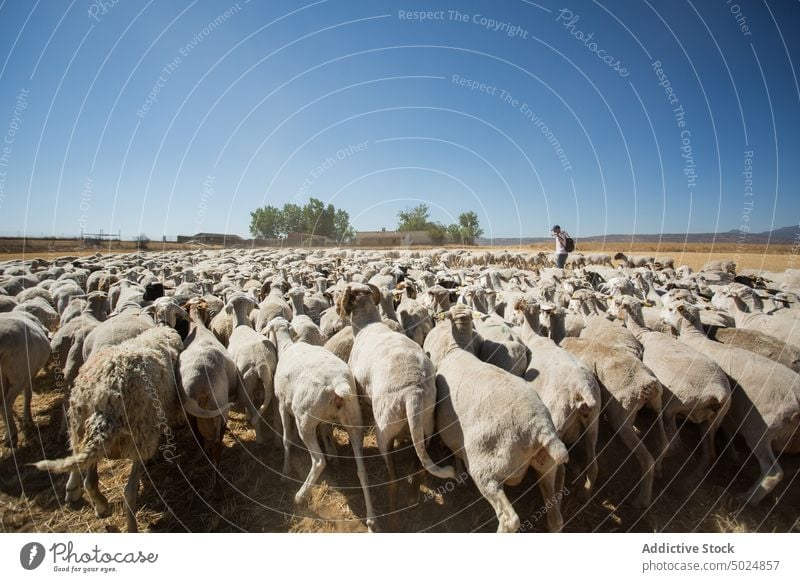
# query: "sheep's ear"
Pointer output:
{"type": "Point", "coordinates": [648, 304]}
{"type": "Point", "coordinates": [149, 310]}
{"type": "Point", "coordinates": [265, 288]}
{"type": "Point", "coordinates": [376, 294]}
{"type": "Point", "coordinates": [181, 313]}
{"type": "Point", "coordinates": [476, 315]}
{"type": "Point", "coordinates": [343, 304]}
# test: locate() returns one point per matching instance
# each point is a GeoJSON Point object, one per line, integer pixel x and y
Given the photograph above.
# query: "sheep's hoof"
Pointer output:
{"type": "Point", "coordinates": [372, 527]}
{"type": "Point", "coordinates": [300, 498]}
{"type": "Point", "coordinates": [27, 422]}
{"type": "Point", "coordinates": [102, 510]}
{"type": "Point", "coordinates": [73, 495]}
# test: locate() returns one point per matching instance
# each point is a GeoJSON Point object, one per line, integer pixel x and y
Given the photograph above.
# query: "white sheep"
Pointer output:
{"type": "Point", "coordinates": [314, 386]}
{"type": "Point", "coordinates": [396, 377]}
{"type": "Point", "coordinates": [24, 350]}
{"type": "Point", "coordinates": [255, 358]}
{"type": "Point", "coordinates": [122, 399]}
{"type": "Point", "coordinates": [495, 423]}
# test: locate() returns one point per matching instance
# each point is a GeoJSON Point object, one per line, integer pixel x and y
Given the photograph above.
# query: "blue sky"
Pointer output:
{"type": "Point", "coordinates": [177, 117]}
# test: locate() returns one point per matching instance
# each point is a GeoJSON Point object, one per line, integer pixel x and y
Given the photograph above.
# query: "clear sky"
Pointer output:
{"type": "Point", "coordinates": [627, 116]}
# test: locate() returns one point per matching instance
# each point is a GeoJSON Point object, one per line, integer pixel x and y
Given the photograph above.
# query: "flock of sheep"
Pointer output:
{"type": "Point", "coordinates": [511, 362]}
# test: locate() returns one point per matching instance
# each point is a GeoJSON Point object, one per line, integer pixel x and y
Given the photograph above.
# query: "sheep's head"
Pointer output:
{"type": "Point", "coordinates": [198, 309]}
{"type": "Point", "coordinates": [240, 301]}
{"type": "Point", "coordinates": [355, 295]}
{"type": "Point", "coordinates": [527, 305]}
{"type": "Point", "coordinates": [682, 313]}
{"type": "Point", "coordinates": [165, 311]}
{"type": "Point", "coordinates": [97, 302]}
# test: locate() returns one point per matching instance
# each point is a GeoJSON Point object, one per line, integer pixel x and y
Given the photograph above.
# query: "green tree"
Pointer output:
{"type": "Point", "coordinates": [293, 219]}
{"type": "Point", "coordinates": [437, 232]}
{"type": "Point", "coordinates": [266, 222]}
{"type": "Point", "coordinates": [470, 227]}
{"type": "Point", "coordinates": [454, 235]}
{"type": "Point", "coordinates": [414, 219]}
{"type": "Point", "coordinates": [341, 226]}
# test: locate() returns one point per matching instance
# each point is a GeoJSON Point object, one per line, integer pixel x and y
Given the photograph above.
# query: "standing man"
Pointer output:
{"type": "Point", "coordinates": [561, 246]}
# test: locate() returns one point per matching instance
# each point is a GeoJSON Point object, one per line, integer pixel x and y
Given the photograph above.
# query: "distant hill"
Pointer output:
{"type": "Point", "coordinates": [785, 235]}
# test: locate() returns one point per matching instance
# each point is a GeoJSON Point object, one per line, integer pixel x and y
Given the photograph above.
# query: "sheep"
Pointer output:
{"type": "Point", "coordinates": [720, 265]}
{"type": "Point", "coordinates": [255, 358]}
{"type": "Point", "coordinates": [785, 329]}
{"type": "Point", "coordinates": [7, 303]}
{"type": "Point", "coordinates": [626, 386]}
{"type": "Point", "coordinates": [499, 344]}
{"type": "Point", "coordinates": [564, 383]}
{"type": "Point", "coordinates": [759, 343]}
{"type": "Point", "coordinates": [496, 424]}
{"type": "Point", "coordinates": [396, 377]}
{"type": "Point", "coordinates": [41, 310]}
{"type": "Point", "coordinates": [123, 397]}
{"type": "Point", "coordinates": [765, 402]}
{"type": "Point", "coordinates": [341, 344]}
{"type": "Point", "coordinates": [24, 350]}
{"type": "Point", "coordinates": [209, 378]}
{"type": "Point", "coordinates": [314, 386]}
{"type": "Point", "coordinates": [633, 261]}
{"type": "Point", "coordinates": [305, 328]}
{"type": "Point", "coordinates": [694, 386]}
{"type": "Point", "coordinates": [273, 304]}
{"type": "Point", "coordinates": [412, 315]}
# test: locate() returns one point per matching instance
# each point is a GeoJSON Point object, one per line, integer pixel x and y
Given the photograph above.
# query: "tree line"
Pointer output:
{"type": "Point", "coordinates": [318, 219]}
{"type": "Point", "coordinates": [312, 218]}
{"type": "Point", "coordinates": [464, 232]}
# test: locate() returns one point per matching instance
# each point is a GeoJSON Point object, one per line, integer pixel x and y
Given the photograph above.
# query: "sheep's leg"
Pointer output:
{"type": "Point", "coordinates": [771, 472]}
{"type": "Point", "coordinates": [287, 445]}
{"type": "Point", "coordinates": [216, 457]}
{"type": "Point", "coordinates": [663, 442]}
{"type": "Point", "coordinates": [356, 441]}
{"type": "Point", "coordinates": [253, 416]}
{"type": "Point", "coordinates": [8, 415]}
{"type": "Point", "coordinates": [331, 452]}
{"type": "Point", "coordinates": [73, 487]}
{"type": "Point", "coordinates": [386, 446]}
{"type": "Point", "coordinates": [27, 396]}
{"type": "Point", "coordinates": [590, 442]}
{"type": "Point", "coordinates": [623, 427]}
{"type": "Point", "coordinates": [671, 429]}
{"type": "Point", "coordinates": [551, 496]}
{"type": "Point", "coordinates": [493, 492]}
{"type": "Point", "coordinates": [132, 493]}
{"type": "Point", "coordinates": [308, 434]}
{"type": "Point", "coordinates": [90, 483]}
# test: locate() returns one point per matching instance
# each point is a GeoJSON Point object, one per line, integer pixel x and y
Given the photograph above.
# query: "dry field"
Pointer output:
{"type": "Point", "coordinates": [769, 258]}
{"type": "Point", "coordinates": [173, 496]}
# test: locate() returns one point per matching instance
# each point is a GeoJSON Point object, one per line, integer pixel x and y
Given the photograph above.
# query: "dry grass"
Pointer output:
{"type": "Point", "coordinates": [173, 496]}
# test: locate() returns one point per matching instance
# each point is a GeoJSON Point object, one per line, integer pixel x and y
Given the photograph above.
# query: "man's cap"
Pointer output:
{"type": "Point", "coordinates": [556, 227]}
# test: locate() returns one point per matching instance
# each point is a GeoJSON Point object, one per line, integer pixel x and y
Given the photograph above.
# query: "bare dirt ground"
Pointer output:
{"type": "Point", "coordinates": [174, 496]}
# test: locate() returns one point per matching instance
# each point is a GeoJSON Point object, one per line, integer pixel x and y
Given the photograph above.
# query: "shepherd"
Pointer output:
{"type": "Point", "coordinates": [564, 245]}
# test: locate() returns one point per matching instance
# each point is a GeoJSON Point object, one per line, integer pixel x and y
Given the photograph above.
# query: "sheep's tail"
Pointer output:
{"type": "Point", "coordinates": [557, 450]}
{"type": "Point", "coordinates": [102, 430]}
{"type": "Point", "coordinates": [414, 410]}
{"type": "Point", "coordinates": [190, 406]}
